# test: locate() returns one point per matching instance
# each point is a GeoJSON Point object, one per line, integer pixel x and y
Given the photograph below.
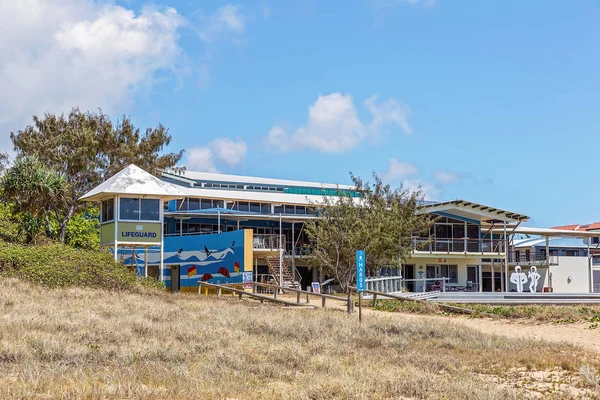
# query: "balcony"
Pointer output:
{"type": "Point", "coordinates": [526, 258]}
{"type": "Point", "coordinates": [268, 242]}
{"type": "Point", "coordinates": [461, 245]}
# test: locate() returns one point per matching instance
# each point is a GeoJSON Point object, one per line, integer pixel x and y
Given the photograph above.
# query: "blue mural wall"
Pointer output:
{"type": "Point", "coordinates": [214, 258]}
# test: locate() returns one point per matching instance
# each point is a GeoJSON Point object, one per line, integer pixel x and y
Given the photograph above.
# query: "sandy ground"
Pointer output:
{"type": "Point", "coordinates": [576, 333]}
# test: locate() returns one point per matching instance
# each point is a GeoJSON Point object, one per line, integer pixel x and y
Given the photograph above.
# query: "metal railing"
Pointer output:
{"type": "Point", "coordinates": [394, 284]}
{"type": "Point", "coordinates": [190, 233]}
{"type": "Point", "coordinates": [461, 245]}
{"type": "Point", "coordinates": [532, 258]}
{"type": "Point", "coordinates": [268, 242]}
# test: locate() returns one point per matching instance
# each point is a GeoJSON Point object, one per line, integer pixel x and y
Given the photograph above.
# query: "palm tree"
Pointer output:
{"type": "Point", "coordinates": [35, 191]}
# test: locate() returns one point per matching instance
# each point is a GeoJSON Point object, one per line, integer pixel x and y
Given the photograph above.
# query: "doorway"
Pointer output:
{"type": "Point", "coordinates": [473, 278]}
{"type": "Point", "coordinates": [409, 273]}
{"type": "Point", "coordinates": [175, 284]}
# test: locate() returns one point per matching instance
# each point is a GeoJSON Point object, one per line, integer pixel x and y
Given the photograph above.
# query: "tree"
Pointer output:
{"type": "Point", "coordinates": [34, 189]}
{"type": "Point", "coordinates": [379, 220]}
{"type": "Point", "coordinates": [88, 148]}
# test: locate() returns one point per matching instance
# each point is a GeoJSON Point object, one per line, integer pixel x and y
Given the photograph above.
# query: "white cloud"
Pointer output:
{"type": "Point", "coordinates": [398, 170]}
{"type": "Point", "coordinates": [446, 177]}
{"type": "Point", "coordinates": [431, 192]}
{"type": "Point", "coordinates": [232, 153]}
{"type": "Point", "coordinates": [265, 9]}
{"type": "Point", "coordinates": [227, 19]}
{"type": "Point", "coordinates": [200, 159]}
{"type": "Point", "coordinates": [67, 53]}
{"type": "Point", "coordinates": [333, 124]}
{"type": "Point", "coordinates": [222, 150]}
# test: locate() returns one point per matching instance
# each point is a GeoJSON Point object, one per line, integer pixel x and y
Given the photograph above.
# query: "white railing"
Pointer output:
{"type": "Point", "coordinates": [394, 284]}
{"type": "Point", "coordinates": [268, 242]}
{"type": "Point", "coordinates": [460, 245]}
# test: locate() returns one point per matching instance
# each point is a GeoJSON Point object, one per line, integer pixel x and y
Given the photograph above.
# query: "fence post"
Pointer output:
{"type": "Point", "coordinates": [308, 294]}
{"type": "Point", "coordinates": [323, 298]}
{"type": "Point", "coordinates": [275, 293]}
{"type": "Point", "coordinates": [253, 287]}
{"type": "Point", "coordinates": [298, 297]}
{"type": "Point", "coordinates": [374, 299]}
{"type": "Point", "coordinates": [349, 303]}
{"type": "Point", "coordinates": [218, 292]}
{"type": "Point", "coordinates": [240, 294]}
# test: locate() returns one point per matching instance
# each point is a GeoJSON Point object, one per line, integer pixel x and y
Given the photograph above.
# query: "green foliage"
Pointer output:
{"type": "Point", "coordinates": [34, 189]}
{"type": "Point", "coordinates": [10, 226]}
{"type": "Point", "coordinates": [83, 230]}
{"type": "Point", "coordinates": [413, 307]}
{"type": "Point", "coordinates": [380, 221]}
{"type": "Point", "coordinates": [88, 148]}
{"type": "Point", "coordinates": [58, 265]}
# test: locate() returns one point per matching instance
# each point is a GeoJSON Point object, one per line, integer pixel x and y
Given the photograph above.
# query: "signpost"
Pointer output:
{"type": "Point", "coordinates": [361, 282]}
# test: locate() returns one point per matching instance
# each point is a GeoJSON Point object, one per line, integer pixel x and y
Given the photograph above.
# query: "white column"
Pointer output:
{"type": "Point", "coordinates": [590, 272]}
{"type": "Point", "coordinates": [116, 213]}
{"type": "Point", "coordinates": [506, 252]}
{"type": "Point", "coordinates": [219, 221]}
{"type": "Point", "coordinates": [465, 237]}
{"type": "Point", "coordinates": [493, 277]}
{"type": "Point", "coordinates": [280, 251]}
{"type": "Point", "coordinates": [480, 278]}
{"type": "Point", "coordinates": [548, 262]}
{"type": "Point", "coordinates": [162, 241]}
{"type": "Point", "coordinates": [146, 262]}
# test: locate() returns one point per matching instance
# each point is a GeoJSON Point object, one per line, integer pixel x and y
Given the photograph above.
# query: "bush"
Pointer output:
{"type": "Point", "coordinates": [57, 265]}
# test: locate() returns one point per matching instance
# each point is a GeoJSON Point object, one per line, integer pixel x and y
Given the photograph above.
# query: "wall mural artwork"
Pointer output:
{"type": "Point", "coordinates": [214, 258]}
{"type": "Point", "coordinates": [520, 279]}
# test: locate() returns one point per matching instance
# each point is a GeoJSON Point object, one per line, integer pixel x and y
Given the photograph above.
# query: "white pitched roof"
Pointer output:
{"type": "Point", "coordinates": [133, 181]}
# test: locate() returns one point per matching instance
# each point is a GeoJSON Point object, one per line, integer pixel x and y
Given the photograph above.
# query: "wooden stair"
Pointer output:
{"type": "Point", "coordinates": [286, 272]}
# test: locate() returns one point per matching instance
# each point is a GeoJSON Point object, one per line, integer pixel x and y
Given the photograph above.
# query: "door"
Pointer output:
{"type": "Point", "coordinates": [409, 273]}
{"type": "Point", "coordinates": [175, 278]}
{"type": "Point", "coordinates": [472, 278]}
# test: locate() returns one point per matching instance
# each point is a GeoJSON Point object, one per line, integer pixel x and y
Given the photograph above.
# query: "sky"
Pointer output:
{"type": "Point", "coordinates": [495, 102]}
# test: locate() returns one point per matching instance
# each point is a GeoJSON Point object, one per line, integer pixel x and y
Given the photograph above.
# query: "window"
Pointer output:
{"type": "Point", "coordinates": [278, 209]}
{"type": "Point", "coordinates": [218, 203]}
{"type": "Point", "coordinates": [130, 209]}
{"type": "Point", "coordinates": [108, 210]}
{"type": "Point", "coordinates": [265, 208]}
{"type": "Point", "coordinates": [572, 253]}
{"type": "Point", "coordinates": [300, 210]}
{"type": "Point", "coordinates": [194, 204]}
{"type": "Point", "coordinates": [243, 206]}
{"type": "Point", "coordinates": [150, 210]}
{"type": "Point", "coordinates": [255, 207]}
{"type": "Point", "coordinates": [181, 205]}
{"type": "Point", "coordinates": [134, 209]}
{"type": "Point", "coordinates": [205, 204]}
{"type": "Point", "coordinates": [287, 209]}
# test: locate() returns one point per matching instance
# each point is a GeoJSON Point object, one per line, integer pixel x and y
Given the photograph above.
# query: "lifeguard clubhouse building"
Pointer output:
{"type": "Point", "coordinates": [200, 226]}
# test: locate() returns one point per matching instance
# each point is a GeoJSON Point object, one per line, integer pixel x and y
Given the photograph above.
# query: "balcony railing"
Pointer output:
{"type": "Point", "coordinates": [269, 242]}
{"type": "Point", "coordinates": [436, 245]}
{"type": "Point", "coordinates": [520, 257]}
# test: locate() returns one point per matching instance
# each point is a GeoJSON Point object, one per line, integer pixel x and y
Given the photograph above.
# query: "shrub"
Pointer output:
{"type": "Point", "coordinates": [57, 265]}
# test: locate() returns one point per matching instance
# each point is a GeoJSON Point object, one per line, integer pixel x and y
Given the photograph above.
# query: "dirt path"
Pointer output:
{"type": "Point", "coordinates": [576, 333]}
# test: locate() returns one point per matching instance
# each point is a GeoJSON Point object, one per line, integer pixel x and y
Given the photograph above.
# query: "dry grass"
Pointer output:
{"type": "Point", "coordinates": [84, 343]}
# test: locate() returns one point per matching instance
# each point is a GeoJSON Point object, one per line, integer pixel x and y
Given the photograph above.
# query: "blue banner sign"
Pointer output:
{"type": "Point", "coordinates": [361, 258]}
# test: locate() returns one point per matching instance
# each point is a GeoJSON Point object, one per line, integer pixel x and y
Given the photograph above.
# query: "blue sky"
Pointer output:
{"type": "Point", "coordinates": [490, 101]}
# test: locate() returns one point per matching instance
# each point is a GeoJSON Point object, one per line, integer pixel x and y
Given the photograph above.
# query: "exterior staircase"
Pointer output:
{"type": "Point", "coordinates": [286, 270]}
